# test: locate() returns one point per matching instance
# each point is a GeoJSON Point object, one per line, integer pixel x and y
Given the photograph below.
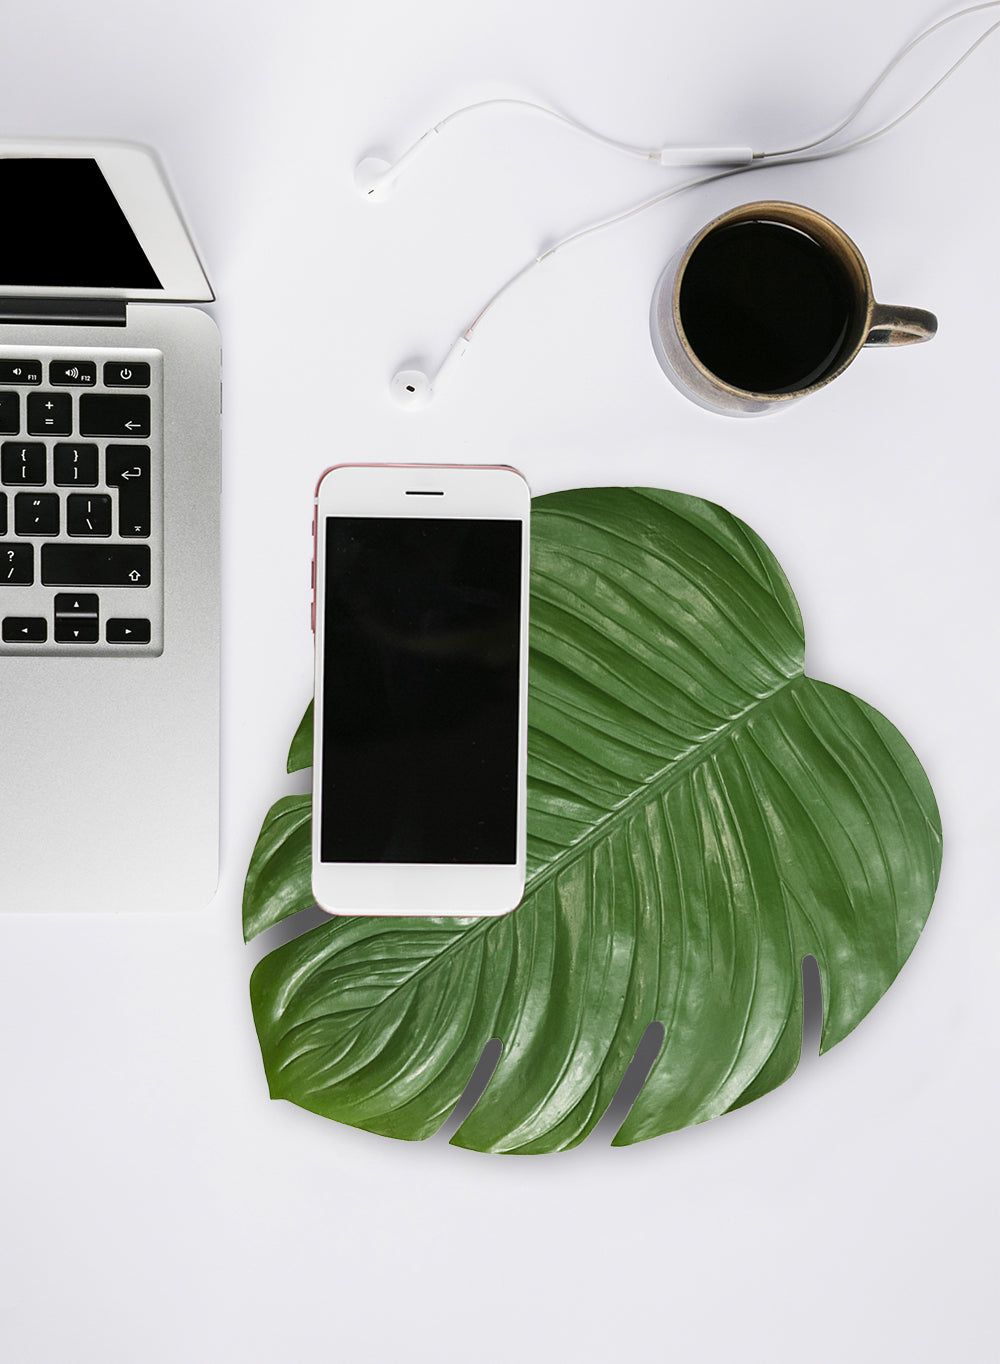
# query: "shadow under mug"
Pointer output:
{"type": "Point", "coordinates": [868, 323]}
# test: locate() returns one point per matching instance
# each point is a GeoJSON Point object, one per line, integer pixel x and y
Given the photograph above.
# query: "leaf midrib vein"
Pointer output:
{"type": "Point", "coordinates": [660, 780]}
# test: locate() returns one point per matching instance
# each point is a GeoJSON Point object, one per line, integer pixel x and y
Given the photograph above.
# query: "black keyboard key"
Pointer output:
{"type": "Point", "coordinates": [76, 604]}
{"type": "Point", "coordinates": [22, 464]}
{"type": "Point", "coordinates": [76, 630]}
{"type": "Point", "coordinates": [82, 373]}
{"type": "Point", "coordinates": [112, 414]}
{"type": "Point", "coordinates": [10, 414]}
{"type": "Point", "coordinates": [76, 618]}
{"type": "Point", "coordinates": [36, 514]}
{"type": "Point", "coordinates": [25, 629]}
{"type": "Point", "coordinates": [126, 374]}
{"type": "Point", "coordinates": [126, 467]}
{"type": "Point", "coordinates": [88, 514]}
{"type": "Point", "coordinates": [94, 565]}
{"type": "Point", "coordinates": [129, 630]}
{"type": "Point", "coordinates": [75, 466]}
{"type": "Point", "coordinates": [20, 372]}
{"type": "Point", "coordinates": [17, 565]}
{"type": "Point", "coordinates": [3, 513]}
{"type": "Point", "coordinates": [50, 414]}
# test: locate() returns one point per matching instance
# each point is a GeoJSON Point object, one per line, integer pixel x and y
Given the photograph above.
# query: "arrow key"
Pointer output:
{"type": "Point", "coordinates": [76, 603]}
{"type": "Point", "coordinates": [71, 630]}
{"type": "Point", "coordinates": [76, 618]}
{"type": "Point", "coordinates": [127, 631]}
{"type": "Point", "coordinates": [25, 630]}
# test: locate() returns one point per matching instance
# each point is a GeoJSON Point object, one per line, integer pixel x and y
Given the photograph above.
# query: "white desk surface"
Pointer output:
{"type": "Point", "coordinates": [156, 1205]}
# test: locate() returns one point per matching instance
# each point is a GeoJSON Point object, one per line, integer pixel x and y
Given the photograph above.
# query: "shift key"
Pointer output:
{"type": "Point", "coordinates": [114, 414]}
{"type": "Point", "coordinates": [95, 565]}
{"type": "Point", "coordinates": [127, 469]}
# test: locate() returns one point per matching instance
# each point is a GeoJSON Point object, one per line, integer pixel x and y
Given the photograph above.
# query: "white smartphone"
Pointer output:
{"type": "Point", "coordinates": [420, 614]}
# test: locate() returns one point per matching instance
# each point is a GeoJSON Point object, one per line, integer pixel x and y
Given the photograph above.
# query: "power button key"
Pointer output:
{"type": "Point", "coordinates": [126, 374]}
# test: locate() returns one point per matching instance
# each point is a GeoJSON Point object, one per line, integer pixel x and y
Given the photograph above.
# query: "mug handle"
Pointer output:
{"type": "Point", "coordinates": [895, 326]}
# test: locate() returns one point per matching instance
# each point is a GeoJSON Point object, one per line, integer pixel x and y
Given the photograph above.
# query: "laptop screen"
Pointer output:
{"type": "Point", "coordinates": [61, 226]}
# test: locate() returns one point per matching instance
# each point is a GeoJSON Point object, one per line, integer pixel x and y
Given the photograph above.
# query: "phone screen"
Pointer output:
{"type": "Point", "coordinates": [420, 690]}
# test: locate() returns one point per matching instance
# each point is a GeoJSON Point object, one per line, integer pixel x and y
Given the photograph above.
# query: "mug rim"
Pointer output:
{"type": "Point", "coordinates": [821, 229]}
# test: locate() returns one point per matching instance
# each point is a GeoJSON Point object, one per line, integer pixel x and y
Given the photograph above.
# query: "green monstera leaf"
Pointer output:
{"type": "Point", "coordinates": [702, 816]}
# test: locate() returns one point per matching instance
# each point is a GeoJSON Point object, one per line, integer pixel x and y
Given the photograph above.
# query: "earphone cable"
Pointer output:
{"type": "Point", "coordinates": [644, 153]}
{"type": "Point", "coordinates": [656, 154]}
{"type": "Point", "coordinates": [794, 156]}
{"type": "Point", "coordinates": [887, 72]}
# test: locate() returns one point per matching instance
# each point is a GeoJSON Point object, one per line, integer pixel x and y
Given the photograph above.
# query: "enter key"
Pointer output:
{"type": "Point", "coordinates": [127, 469]}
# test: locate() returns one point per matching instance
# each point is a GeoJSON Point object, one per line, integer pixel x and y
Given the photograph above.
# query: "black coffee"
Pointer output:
{"type": "Point", "coordinates": [766, 308]}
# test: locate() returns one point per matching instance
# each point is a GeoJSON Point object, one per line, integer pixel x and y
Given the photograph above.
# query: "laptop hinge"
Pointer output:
{"type": "Point", "coordinates": [81, 312]}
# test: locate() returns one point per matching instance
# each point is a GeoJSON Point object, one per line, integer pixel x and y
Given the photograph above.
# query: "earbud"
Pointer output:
{"type": "Point", "coordinates": [411, 388]}
{"type": "Point", "coordinates": [374, 177]}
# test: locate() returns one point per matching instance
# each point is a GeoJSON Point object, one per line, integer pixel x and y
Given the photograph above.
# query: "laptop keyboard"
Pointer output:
{"type": "Point", "coordinates": [81, 501]}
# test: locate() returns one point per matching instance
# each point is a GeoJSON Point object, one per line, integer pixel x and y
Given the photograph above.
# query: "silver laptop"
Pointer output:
{"type": "Point", "coordinates": [109, 538]}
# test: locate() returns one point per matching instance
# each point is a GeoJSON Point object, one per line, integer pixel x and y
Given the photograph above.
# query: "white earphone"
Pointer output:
{"type": "Point", "coordinates": [412, 388]}
{"type": "Point", "coordinates": [375, 178]}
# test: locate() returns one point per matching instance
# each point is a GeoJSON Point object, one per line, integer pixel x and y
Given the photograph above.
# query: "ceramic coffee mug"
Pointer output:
{"type": "Point", "coordinates": [767, 304]}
